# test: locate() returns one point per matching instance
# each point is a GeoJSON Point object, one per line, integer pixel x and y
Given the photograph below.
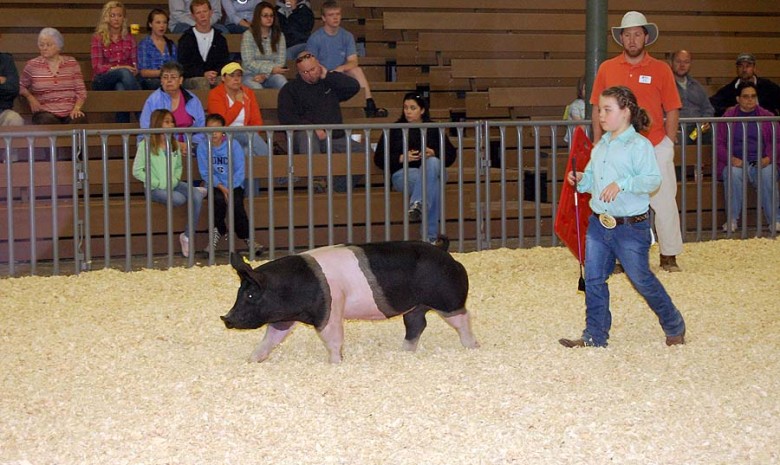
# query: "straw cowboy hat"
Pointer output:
{"type": "Point", "coordinates": [635, 18]}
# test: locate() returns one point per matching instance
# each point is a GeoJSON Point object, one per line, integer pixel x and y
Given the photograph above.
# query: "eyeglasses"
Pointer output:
{"type": "Point", "coordinates": [304, 57]}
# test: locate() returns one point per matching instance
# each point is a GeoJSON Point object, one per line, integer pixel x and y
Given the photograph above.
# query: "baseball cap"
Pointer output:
{"type": "Point", "coordinates": [746, 57]}
{"type": "Point", "coordinates": [231, 68]}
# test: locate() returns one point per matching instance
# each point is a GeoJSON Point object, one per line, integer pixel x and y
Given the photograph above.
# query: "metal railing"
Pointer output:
{"type": "Point", "coordinates": [71, 203]}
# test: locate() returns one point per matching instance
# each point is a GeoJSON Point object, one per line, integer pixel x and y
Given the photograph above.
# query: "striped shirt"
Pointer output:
{"type": "Point", "coordinates": [57, 93]}
{"type": "Point", "coordinates": [149, 56]}
{"type": "Point", "coordinates": [120, 53]}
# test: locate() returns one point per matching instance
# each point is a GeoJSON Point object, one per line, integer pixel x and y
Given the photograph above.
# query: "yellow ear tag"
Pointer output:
{"type": "Point", "coordinates": [246, 260]}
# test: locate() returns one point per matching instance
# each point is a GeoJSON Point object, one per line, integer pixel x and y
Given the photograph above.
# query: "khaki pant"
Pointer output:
{"type": "Point", "coordinates": [10, 118]}
{"type": "Point", "coordinates": [664, 201]}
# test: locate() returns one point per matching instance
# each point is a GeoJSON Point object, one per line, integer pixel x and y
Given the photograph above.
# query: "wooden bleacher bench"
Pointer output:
{"type": "Point", "coordinates": [100, 106]}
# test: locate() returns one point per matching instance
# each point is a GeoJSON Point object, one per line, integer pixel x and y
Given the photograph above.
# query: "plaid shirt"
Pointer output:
{"type": "Point", "coordinates": [121, 53]}
{"type": "Point", "coordinates": [149, 56]}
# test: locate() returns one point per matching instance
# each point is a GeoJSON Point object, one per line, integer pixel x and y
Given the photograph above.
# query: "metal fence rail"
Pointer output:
{"type": "Point", "coordinates": [71, 203]}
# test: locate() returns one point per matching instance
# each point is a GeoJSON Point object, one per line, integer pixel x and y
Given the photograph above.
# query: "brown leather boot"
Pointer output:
{"type": "Point", "coordinates": [669, 263]}
{"type": "Point", "coordinates": [676, 340]}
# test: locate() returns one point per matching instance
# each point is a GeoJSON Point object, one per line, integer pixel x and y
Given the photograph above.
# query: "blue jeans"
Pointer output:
{"type": "Point", "coordinates": [766, 194]}
{"type": "Point", "coordinates": [432, 186]}
{"type": "Point", "coordinates": [178, 198]}
{"type": "Point", "coordinates": [338, 145]}
{"type": "Point", "coordinates": [259, 146]}
{"type": "Point", "coordinates": [117, 79]}
{"type": "Point", "coordinates": [274, 81]}
{"type": "Point", "coordinates": [630, 244]}
{"type": "Point", "coordinates": [293, 50]}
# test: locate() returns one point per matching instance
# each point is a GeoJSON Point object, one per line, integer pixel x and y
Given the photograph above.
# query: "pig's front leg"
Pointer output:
{"type": "Point", "coordinates": [274, 335]}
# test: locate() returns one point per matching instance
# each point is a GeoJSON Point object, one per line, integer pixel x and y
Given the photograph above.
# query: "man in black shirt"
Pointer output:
{"type": "Point", "coordinates": [768, 91]}
{"type": "Point", "coordinates": [314, 97]}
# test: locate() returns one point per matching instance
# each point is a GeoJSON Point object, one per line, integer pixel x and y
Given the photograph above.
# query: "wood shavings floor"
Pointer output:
{"type": "Point", "coordinates": [136, 368]}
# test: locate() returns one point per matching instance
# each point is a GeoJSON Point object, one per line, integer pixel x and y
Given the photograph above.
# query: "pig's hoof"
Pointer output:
{"type": "Point", "coordinates": [257, 358]}
{"type": "Point", "coordinates": [410, 346]}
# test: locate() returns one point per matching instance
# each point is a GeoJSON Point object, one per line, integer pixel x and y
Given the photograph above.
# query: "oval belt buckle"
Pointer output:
{"type": "Point", "coordinates": [607, 220]}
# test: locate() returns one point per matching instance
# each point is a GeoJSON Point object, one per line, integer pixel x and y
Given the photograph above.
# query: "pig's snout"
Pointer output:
{"type": "Point", "coordinates": [228, 324]}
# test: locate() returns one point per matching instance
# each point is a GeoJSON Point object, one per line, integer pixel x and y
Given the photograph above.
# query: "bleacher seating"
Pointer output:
{"type": "Point", "coordinates": [515, 59]}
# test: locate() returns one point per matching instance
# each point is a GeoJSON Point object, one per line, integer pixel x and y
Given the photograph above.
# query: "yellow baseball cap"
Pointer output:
{"type": "Point", "coordinates": [231, 68]}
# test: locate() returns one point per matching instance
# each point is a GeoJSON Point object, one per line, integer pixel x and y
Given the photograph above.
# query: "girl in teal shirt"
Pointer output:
{"type": "Point", "coordinates": [621, 175]}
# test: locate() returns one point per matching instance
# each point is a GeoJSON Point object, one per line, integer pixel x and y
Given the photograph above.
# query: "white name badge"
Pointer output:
{"type": "Point", "coordinates": [645, 79]}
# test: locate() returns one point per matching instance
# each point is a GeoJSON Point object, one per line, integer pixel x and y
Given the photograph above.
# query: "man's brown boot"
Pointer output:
{"type": "Point", "coordinates": [676, 340]}
{"type": "Point", "coordinates": [669, 263]}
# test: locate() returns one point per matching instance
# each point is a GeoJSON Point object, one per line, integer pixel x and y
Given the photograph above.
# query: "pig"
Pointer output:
{"type": "Point", "coordinates": [324, 286]}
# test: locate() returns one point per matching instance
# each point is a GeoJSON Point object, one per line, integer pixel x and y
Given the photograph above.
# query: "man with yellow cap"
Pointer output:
{"type": "Point", "coordinates": [653, 84]}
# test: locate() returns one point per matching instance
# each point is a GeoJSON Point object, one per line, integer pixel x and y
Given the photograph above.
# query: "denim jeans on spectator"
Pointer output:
{"type": "Point", "coordinates": [259, 146]}
{"type": "Point", "coordinates": [338, 145]}
{"type": "Point", "coordinates": [235, 28]}
{"type": "Point", "coordinates": [117, 79]}
{"type": "Point", "coordinates": [630, 244]}
{"type": "Point", "coordinates": [150, 83]}
{"type": "Point", "coordinates": [432, 186]}
{"type": "Point", "coordinates": [274, 81]}
{"type": "Point", "coordinates": [178, 198]}
{"type": "Point", "coordinates": [765, 194]}
{"type": "Point", "coordinates": [294, 50]}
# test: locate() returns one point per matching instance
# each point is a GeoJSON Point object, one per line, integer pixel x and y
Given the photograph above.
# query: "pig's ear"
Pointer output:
{"type": "Point", "coordinates": [244, 269]}
{"type": "Point", "coordinates": [240, 264]}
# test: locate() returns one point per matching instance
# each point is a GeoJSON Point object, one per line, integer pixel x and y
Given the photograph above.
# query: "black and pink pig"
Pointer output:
{"type": "Point", "coordinates": [323, 287]}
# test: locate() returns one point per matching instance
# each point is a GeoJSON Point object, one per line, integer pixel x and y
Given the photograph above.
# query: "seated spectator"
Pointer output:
{"type": "Point", "coordinates": [158, 150]}
{"type": "Point", "coordinates": [768, 91]}
{"type": "Point", "coordinates": [575, 111]}
{"type": "Point", "coordinates": [220, 188]}
{"type": "Point", "coordinates": [114, 54]}
{"type": "Point", "coordinates": [314, 97]}
{"type": "Point", "coordinates": [263, 51]}
{"type": "Point", "coordinates": [733, 163]}
{"type": "Point", "coordinates": [182, 20]}
{"type": "Point", "coordinates": [155, 49]}
{"type": "Point", "coordinates": [239, 14]}
{"type": "Point", "coordinates": [415, 111]}
{"type": "Point", "coordinates": [203, 51]}
{"type": "Point", "coordinates": [184, 105]}
{"type": "Point", "coordinates": [238, 106]}
{"type": "Point", "coordinates": [296, 21]}
{"type": "Point", "coordinates": [336, 50]}
{"type": "Point", "coordinates": [53, 84]}
{"type": "Point", "coordinates": [9, 89]}
{"type": "Point", "coordinates": [695, 103]}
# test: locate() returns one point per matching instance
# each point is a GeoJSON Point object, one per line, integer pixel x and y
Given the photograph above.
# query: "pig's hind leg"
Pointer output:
{"type": "Point", "coordinates": [461, 322]}
{"type": "Point", "coordinates": [415, 323]}
{"type": "Point", "coordinates": [274, 335]}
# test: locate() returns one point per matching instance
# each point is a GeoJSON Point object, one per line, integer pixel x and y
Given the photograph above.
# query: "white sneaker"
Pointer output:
{"type": "Point", "coordinates": [730, 228]}
{"type": "Point", "coordinates": [185, 245]}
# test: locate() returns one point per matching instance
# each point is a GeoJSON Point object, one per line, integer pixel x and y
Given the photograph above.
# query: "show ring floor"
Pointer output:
{"type": "Point", "coordinates": [137, 368]}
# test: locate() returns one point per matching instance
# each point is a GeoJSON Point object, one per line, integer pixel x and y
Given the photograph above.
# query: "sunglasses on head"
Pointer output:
{"type": "Point", "coordinates": [303, 57]}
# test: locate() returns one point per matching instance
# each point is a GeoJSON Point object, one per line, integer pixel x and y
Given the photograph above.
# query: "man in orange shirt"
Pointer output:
{"type": "Point", "coordinates": [653, 84]}
{"type": "Point", "coordinates": [238, 105]}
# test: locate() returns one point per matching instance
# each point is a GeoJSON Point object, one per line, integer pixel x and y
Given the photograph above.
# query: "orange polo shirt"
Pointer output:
{"type": "Point", "coordinates": [651, 81]}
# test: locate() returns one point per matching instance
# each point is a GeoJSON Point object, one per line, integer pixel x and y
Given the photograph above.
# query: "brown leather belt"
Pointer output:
{"type": "Point", "coordinates": [629, 219]}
